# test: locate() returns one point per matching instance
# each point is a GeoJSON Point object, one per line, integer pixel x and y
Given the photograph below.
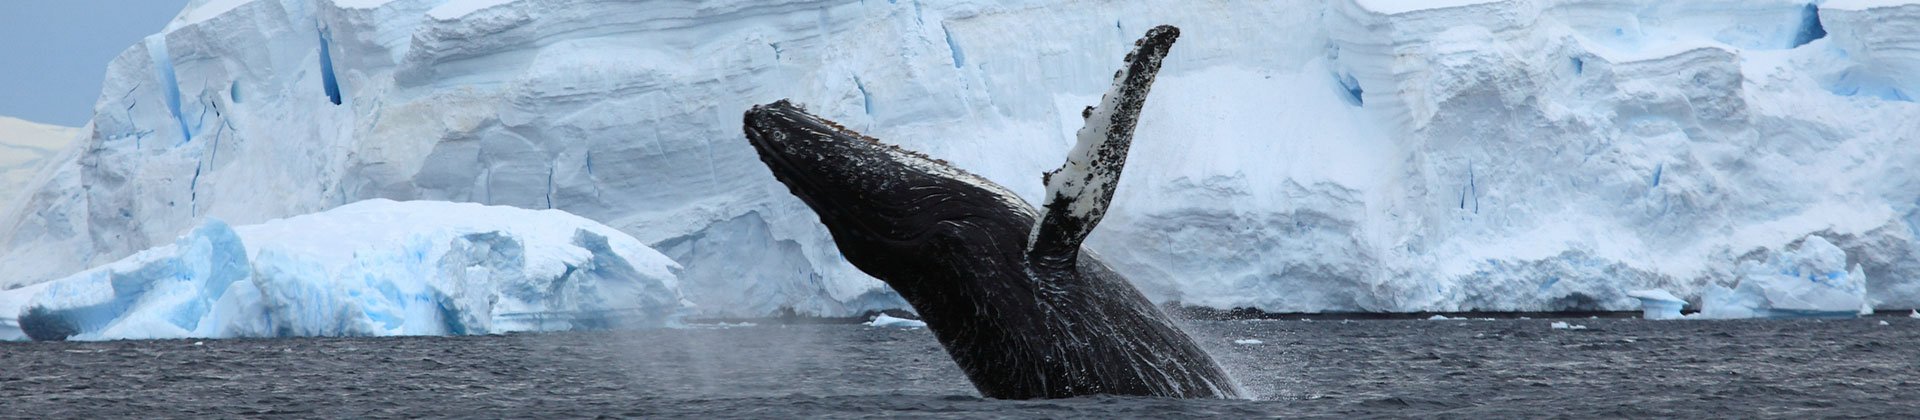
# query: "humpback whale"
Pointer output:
{"type": "Point", "coordinates": [1006, 289]}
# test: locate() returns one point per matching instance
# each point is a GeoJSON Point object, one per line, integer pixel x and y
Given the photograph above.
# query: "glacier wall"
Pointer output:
{"type": "Point", "coordinates": [1376, 155]}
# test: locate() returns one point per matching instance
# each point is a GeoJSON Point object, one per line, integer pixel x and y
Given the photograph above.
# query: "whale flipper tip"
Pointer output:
{"type": "Point", "coordinates": [1079, 191]}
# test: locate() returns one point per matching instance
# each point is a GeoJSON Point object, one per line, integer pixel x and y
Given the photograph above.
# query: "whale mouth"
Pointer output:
{"type": "Point", "coordinates": [806, 153]}
{"type": "Point", "coordinates": [867, 190]}
{"type": "Point", "coordinates": [843, 175]}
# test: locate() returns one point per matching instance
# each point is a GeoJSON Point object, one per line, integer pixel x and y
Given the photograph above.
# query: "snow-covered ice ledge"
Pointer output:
{"type": "Point", "coordinates": [376, 267]}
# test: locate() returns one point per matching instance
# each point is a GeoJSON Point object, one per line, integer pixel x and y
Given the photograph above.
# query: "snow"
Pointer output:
{"type": "Point", "coordinates": [1394, 7]}
{"type": "Point", "coordinates": [1658, 304]}
{"type": "Point", "coordinates": [1811, 280]}
{"type": "Point", "coordinates": [1341, 155]}
{"type": "Point", "coordinates": [456, 9]}
{"type": "Point", "coordinates": [25, 148]}
{"type": "Point", "coordinates": [885, 321]}
{"type": "Point", "coordinates": [198, 11]}
{"type": "Point", "coordinates": [375, 267]}
{"type": "Point", "coordinates": [1654, 295]}
{"type": "Point", "coordinates": [1866, 4]}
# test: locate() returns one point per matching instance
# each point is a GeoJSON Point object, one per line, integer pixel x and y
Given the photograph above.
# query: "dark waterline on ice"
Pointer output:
{"type": "Point", "coordinates": [1454, 368]}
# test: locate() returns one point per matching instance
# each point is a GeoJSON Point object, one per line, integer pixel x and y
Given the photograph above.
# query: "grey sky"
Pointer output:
{"type": "Point", "coordinates": [53, 53]}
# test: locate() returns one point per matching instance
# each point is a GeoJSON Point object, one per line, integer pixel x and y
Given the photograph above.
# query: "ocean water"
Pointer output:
{"type": "Point", "coordinates": [1321, 368]}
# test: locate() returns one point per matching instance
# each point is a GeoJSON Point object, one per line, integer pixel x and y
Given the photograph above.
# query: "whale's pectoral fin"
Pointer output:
{"type": "Point", "coordinates": [1079, 191]}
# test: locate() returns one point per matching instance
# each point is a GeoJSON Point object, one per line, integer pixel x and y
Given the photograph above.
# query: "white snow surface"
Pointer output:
{"type": "Point", "coordinates": [375, 267]}
{"type": "Point", "coordinates": [1337, 155]}
{"type": "Point", "coordinates": [1867, 4]}
{"type": "Point", "coordinates": [1655, 295]}
{"type": "Point", "coordinates": [888, 321]}
{"type": "Point", "coordinates": [25, 148]}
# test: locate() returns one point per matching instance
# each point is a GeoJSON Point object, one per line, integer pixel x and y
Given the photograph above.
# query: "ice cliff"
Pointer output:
{"type": "Point", "coordinates": [374, 267]}
{"type": "Point", "coordinates": [1295, 156]}
{"type": "Point", "coordinates": [1810, 279]}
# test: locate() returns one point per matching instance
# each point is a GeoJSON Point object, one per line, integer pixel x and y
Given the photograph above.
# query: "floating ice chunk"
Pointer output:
{"type": "Point", "coordinates": [1883, 322]}
{"type": "Point", "coordinates": [1808, 281]}
{"type": "Point", "coordinates": [1248, 341]}
{"type": "Point", "coordinates": [1558, 325]}
{"type": "Point", "coordinates": [1438, 318]}
{"type": "Point", "coordinates": [884, 321]}
{"type": "Point", "coordinates": [1915, 314]}
{"type": "Point", "coordinates": [1658, 304]}
{"type": "Point", "coordinates": [164, 292]}
{"type": "Point", "coordinates": [375, 267]}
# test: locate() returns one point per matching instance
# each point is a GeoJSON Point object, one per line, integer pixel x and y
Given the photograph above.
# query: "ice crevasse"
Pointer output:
{"type": "Point", "coordinates": [1337, 155]}
{"type": "Point", "coordinates": [370, 268]}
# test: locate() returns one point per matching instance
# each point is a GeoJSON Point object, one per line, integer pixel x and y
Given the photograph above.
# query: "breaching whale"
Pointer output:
{"type": "Point", "coordinates": [1007, 291]}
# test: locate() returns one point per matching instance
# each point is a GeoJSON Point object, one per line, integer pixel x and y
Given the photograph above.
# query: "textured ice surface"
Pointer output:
{"type": "Point", "coordinates": [1332, 155]}
{"type": "Point", "coordinates": [25, 148]}
{"type": "Point", "coordinates": [375, 267]}
{"type": "Point", "coordinates": [1810, 280]}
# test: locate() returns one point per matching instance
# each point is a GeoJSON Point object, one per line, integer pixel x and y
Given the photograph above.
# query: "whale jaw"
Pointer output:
{"type": "Point", "coordinates": [884, 205]}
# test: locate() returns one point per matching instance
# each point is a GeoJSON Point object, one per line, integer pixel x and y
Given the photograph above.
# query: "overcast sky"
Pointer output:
{"type": "Point", "coordinates": [53, 53]}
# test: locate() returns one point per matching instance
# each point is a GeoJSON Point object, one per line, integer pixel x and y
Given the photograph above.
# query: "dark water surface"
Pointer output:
{"type": "Point", "coordinates": [1393, 368]}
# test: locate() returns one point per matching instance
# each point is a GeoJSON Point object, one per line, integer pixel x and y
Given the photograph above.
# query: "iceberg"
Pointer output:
{"type": "Point", "coordinates": [1807, 281]}
{"type": "Point", "coordinates": [887, 321]}
{"type": "Point", "coordinates": [1658, 304]}
{"type": "Point", "coordinates": [376, 267]}
{"type": "Point", "coordinates": [1332, 155]}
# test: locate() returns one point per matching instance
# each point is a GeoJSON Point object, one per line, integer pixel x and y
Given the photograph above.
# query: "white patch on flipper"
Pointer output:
{"type": "Point", "coordinates": [1085, 183]}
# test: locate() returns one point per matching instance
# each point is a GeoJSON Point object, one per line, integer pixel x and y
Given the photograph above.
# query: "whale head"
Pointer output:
{"type": "Point", "coordinates": [887, 208]}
